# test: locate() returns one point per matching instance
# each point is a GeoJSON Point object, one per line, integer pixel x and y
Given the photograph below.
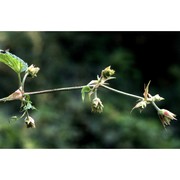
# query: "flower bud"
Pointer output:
{"type": "Point", "coordinates": [156, 98]}
{"type": "Point", "coordinates": [30, 123]}
{"type": "Point", "coordinates": [107, 72]}
{"type": "Point", "coordinates": [142, 104]}
{"type": "Point", "coordinates": [32, 70]}
{"type": "Point", "coordinates": [166, 116]}
{"type": "Point", "coordinates": [97, 105]}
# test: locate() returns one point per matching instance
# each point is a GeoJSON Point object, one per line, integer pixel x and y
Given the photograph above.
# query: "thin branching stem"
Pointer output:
{"type": "Point", "coordinates": [54, 90]}
{"type": "Point", "coordinates": [122, 92]}
{"type": "Point", "coordinates": [155, 106]}
{"type": "Point", "coordinates": [3, 99]}
{"type": "Point", "coordinates": [77, 88]}
{"type": "Point", "coordinates": [19, 79]}
{"type": "Point", "coordinates": [23, 81]}
{"type": "Point", "coordinates": [80, 87]}
{"type": "Point", "coordinates": [95, 93]}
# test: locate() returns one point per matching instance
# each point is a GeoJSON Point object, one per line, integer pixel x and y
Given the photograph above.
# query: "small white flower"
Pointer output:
{"type": "Point", "coordinates": [97, 105]}
{"type": "Point", "coordinates": [32, 70]}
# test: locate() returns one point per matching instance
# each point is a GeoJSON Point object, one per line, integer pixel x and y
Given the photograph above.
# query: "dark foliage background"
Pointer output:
{"type": "Point", "coordinates": [75, 58]}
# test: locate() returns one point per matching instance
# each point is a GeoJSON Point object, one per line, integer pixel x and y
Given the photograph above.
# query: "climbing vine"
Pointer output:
{"type": "Point", "coordinates": [23, 71]}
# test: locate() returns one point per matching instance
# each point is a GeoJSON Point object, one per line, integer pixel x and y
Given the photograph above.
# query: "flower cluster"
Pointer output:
{"type": "Point", "coordinates": [91, 89]}
{"type": "Point", "coordinates": [166, 116]}
{"type": "Point", "coordinates": [32, 70]}
{"type": "Point", "coordinates": [97, 105]}
{"type": "Point", "coordinates": [30, 123]}
{"type": "Point", "coordinates": [107, 72]}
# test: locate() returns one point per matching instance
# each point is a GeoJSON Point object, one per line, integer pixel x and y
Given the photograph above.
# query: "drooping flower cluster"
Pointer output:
{"type": "Point", "coordinates": [30, 123]}
{"type": "Point", "coordinates": [166, 116]}
{"type": "Point", "coordinates": [92, 87]}
{"type": "Point", "coordinates": [97, 105]}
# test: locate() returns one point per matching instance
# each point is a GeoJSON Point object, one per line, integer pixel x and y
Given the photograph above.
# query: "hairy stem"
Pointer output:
{"type": "Point", "coordinates": [121, 92]}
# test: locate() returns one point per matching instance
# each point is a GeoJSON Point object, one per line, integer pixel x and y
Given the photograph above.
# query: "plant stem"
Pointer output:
{"type": "Point", "coordinates": [121, 92]}
{"type": "Point", "coordinates": [77, 88]}
{"type": "Point", "coordinates": [19, 79]}
{"type": "Point", "coordinates": [54, 90]}
{"type": "Point", "coordinates": [95, 93]}
{"type": "Point", "coordinates": [24, 79]}
{"type": "Point", "coordinates": [155, 106]}
{"type": "Point", "coordinates": [3, 99]}
{"type": "Point", "coordinates": [80, 87]}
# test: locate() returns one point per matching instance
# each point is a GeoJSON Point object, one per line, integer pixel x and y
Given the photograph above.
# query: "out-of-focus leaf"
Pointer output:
{"type": "Point", "coordinates": [29, 106]}
{"type": "Point", "coordinates": [85, 89]}
{"type": "Point", "coordinates": [13, 119]}
{"type": "Point", "coordinates": [14, 62]}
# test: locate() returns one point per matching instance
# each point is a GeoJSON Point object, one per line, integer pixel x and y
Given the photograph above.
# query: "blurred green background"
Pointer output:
{"type": "Point", "coordinates": [75, 58]}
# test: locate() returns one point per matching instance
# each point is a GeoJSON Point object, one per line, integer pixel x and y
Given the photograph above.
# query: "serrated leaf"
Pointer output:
{"type": "Point", "coordinates": [29, 106]}
{"type": "Point", "coordinates": [14, 62]}
{"type": "Point", "coordinates": [85, 89]}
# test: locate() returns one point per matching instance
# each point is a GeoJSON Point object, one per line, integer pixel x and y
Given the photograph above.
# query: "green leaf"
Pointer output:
{"type": "Point", "coordinates": [85, 89]}
{"type": "Point", "coordinates": [13, 119]}
{"type": "Point", "coordinates": [28, 107]}
{"type": "Point", "coordinates": [27, 104]}
{"type": "Point", "coordinates": [14, 62]}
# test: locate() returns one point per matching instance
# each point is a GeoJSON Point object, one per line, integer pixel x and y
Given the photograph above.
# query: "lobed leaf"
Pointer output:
{"type": "Point", "coordinates": [14, 62]}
